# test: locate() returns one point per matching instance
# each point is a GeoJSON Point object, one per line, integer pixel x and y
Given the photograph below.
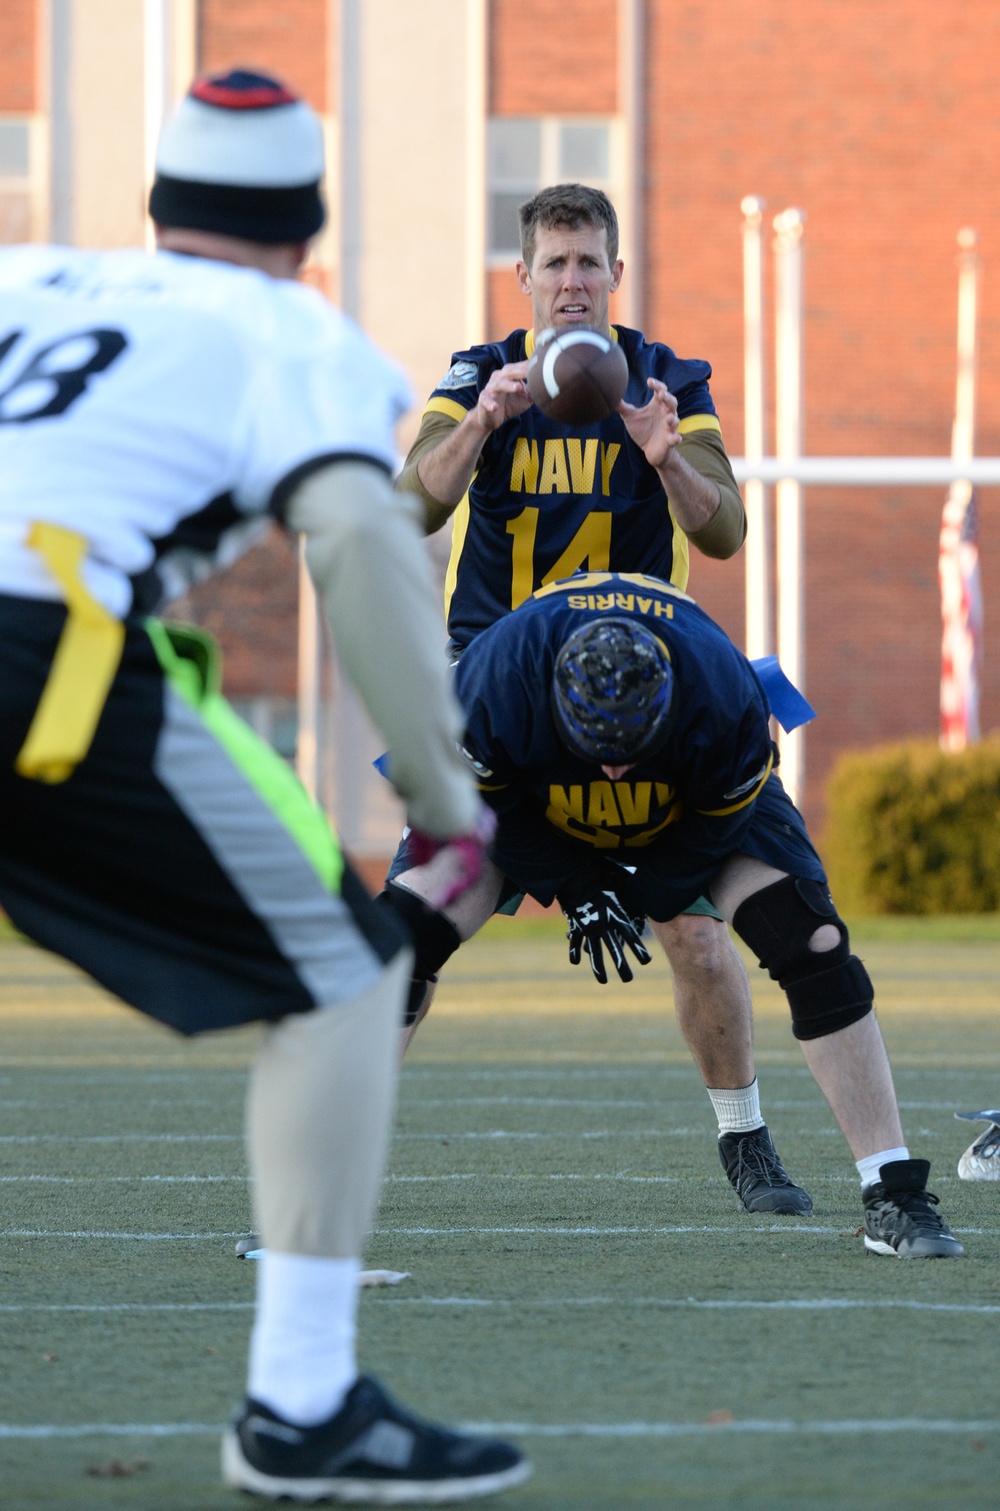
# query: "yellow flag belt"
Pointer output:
{"type": "Point", "coordinates": [83, 667]}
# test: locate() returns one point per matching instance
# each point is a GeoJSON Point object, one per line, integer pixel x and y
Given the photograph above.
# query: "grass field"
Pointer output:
{"type": "Point", "coordinates": [580, 1270]}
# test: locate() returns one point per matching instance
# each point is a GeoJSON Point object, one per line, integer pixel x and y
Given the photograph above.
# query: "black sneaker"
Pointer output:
{"type": "Point", "coordinates": [249, 1247]}
{"type": "Point", "coordinates": [900, 1218]}
{"type": "Point", "coordinates": [370, 1452]}
{"type": "Point", "coordinates": [758, 1177]}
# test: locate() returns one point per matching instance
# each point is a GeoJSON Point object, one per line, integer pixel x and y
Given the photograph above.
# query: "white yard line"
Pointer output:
{"type": "Point", "coordinates": [121, 1138]}
{"type": "Point", "coordinates": [123, 1073]}
{"type": "Point", "coordinates": [85, 1180]}
{"type": "Point", "coordinates": [608, 1072]}
{"type": "Point", "coordinates": [614, 1231]}
{"type": "Point", "coordinates": [413, 1103]}
{"type": "Point", "coordinates": [111, 1429]}
{"type": "Point", "coordinates": [651, 1180]}
{"type": "Point", "coordinates": [580, 1133]}
{"type": "Point", "coordinates": [406, 1135]}
{"type": "Point", "coordinates": [699, 1429]}
{"type": "Point", "coordinates": [413, 1180]}
{"type": "Point", "coordinates": [235, 1138]}
{"type": "Point", "coordinates": [789, 1230]}
{"type": "Point", "coordinates": [780, 1427]}
{"type": "Point", "coordinates": [138, 1237]}
{"type": "Point", "coordinates": [620, 1303]}
{"type": "Point", "coordinates": [690, 1303]}
{"type": "Point", "coordinates": [128, 1306]}
{"type": "Point", "coordinates": [640, 1180]}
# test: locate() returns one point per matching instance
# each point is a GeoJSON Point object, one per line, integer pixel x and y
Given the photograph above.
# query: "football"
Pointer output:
{"type": "Point", "coordinates": [577, 376]}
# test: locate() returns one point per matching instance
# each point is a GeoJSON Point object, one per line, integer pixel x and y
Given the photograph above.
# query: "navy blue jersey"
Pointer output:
{"type": "Point", "coordinates": [693, 800]}
{"type": "Point", "coordinates": [549, 499]}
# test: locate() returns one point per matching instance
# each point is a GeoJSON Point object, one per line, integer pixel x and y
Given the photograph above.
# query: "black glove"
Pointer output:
{"type": "Point", "coordinates": [599, 919]}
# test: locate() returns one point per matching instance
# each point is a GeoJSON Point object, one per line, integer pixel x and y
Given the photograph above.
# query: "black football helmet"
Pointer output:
{"type": "Point", "coordinates": [612, 690]}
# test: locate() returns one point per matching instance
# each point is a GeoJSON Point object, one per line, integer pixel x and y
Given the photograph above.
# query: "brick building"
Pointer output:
{"type": "Point", "coordinates": [879, 123]}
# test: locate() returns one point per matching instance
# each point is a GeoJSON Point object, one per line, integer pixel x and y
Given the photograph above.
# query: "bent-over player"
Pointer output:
{"type": "Point", "coordinates": [534, 501]}
{"type": "Point", "coordinates": [154, 412]}
{"type": "Point", "coordinates": [612, 724]}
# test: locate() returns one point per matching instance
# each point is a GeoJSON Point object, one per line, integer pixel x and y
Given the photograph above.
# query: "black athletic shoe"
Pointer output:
{"type": "Point", "coordinates": [249, 1247]}
{"type": "Point", "coordinates": [371, 1452]}
{"type": "Point", "coordinates": [758, 1177]}
{"type": "Point", "coordinates": [900, 1218]}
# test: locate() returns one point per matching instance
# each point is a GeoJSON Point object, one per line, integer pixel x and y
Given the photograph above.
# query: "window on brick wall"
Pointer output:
{"type": "Point", "coordinates": [527, 152]}
{"type": "Point", "coordinates": [22, 178]}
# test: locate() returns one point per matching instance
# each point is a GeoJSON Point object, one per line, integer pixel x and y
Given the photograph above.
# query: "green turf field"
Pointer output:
{"type": "Point", "coordinates": [581, 1271]}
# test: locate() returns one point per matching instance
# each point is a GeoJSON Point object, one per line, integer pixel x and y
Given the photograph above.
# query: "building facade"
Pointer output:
{"type": "Point", "coordinates": [880, 123]}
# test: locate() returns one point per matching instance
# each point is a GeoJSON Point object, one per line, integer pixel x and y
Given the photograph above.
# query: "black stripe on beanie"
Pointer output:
{"type": "Point", "coordinates": [253, 214]}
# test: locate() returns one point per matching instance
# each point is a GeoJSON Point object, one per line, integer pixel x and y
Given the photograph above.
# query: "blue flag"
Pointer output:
{"type": "Point", "coordinates": [788, 705]}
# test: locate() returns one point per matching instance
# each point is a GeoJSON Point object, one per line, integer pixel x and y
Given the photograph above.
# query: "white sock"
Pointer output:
{"type": "Point", "coordinates": [302, 1360]}
{"type": "Point", "coordinates": [737, 1108]}
{"type": "Point", "coordinates": [869, 1167]}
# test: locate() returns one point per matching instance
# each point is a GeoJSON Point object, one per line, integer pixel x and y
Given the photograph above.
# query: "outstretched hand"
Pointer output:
{"type": "Point", "coordinates": [602, 922]}
{"type": "Point", "coordinates": [654, 427]}
{"type": "Point", "coordinates": [504, 397]}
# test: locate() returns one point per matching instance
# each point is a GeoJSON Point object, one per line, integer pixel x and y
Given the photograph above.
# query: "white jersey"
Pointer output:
{"type": "Point", "coordinates": [163, 407]}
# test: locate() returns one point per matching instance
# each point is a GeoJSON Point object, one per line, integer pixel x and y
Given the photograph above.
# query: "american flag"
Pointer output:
{"type": "Point", "coordinates": [961, 618]}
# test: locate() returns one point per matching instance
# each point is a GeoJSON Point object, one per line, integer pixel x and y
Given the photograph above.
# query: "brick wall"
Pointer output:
{"type": "Point", "coordinates": [882, 124]}
{"type": "Point", "coordinates": [546, 59]}
{"type": "Point", "coordinates": [252, 610]}
{"type": "Point", "coordinates": [18, 62]}
{"type": "Point", "coordinates": [285, 37]}
{"type": "Point", "coordinates": [550, 58]}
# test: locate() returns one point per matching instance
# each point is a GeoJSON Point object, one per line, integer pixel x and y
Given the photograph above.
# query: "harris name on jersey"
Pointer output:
{"type": "Point", "coordinates": [713, 764]}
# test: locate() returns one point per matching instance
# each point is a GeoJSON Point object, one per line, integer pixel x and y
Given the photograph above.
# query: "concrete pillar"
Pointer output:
{"type": "Point", "coordinates": [410, 230]}
{"type": "Point", "coordinates": [98, 115]}
{"type": "Point", "coordinates": [413, 155]}
{"type": "Point", "coordinates": [99, 125]}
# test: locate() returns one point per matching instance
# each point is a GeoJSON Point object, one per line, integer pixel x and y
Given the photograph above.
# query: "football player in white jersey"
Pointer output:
{"type": "Point", "coordinates": [155, 412]}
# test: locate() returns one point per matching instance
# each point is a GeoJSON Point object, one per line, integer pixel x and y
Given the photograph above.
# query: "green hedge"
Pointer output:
{"type": "Point", "coordinates": [911, 829]}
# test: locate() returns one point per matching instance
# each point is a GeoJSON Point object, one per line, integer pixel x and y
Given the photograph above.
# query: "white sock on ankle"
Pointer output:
{"type": "Point", "coordinates": [737, 1108]}
{"type": "Point", "coordinates": [302, 1360]}
{"type": "Point", "coordinates": [869, 1167]}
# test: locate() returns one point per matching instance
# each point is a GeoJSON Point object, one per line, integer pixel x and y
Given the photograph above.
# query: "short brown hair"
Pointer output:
{"type": "Point", "coordinates": [570, 205]}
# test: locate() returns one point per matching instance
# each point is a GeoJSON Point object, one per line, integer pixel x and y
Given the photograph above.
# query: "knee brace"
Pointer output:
{"type": "Point", "coordinates": [435, 939]}
{"type": "Point", "coordinates": [826, 989]}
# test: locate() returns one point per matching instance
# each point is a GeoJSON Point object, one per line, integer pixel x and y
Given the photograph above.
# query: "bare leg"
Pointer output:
{"type": "Point", "coordinates": [468, 914]}
{"type": "Point", "coordinates": [852, 1070]}
{"type": "Point", "coordinates": [715, 1014]}
{"type": "Point", "coordinates": [851, 1066]}
{"type": "Point", "coordinates": [711, 997]}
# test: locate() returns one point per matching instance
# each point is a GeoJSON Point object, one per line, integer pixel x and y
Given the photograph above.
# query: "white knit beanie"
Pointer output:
{"type": "Point", "coordinates": [241, 156]}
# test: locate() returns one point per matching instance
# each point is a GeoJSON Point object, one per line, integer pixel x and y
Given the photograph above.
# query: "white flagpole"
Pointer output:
{"type": "Point", "coordinates": [789, 226]}
{"type": "Point", "coordinates": [156, 54]}
{"type": "Point", "coordinates": [314, 653]}
{"type": "Point", "coordinates": [958, 562]}
{"type": "Point", "coordinates": [963, 441]}
{"type": "Point", "coordinates": [758, 545]}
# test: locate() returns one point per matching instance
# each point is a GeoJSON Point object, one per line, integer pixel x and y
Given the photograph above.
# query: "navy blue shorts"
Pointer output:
{"type": "Point", "coordinates": [778, 835]}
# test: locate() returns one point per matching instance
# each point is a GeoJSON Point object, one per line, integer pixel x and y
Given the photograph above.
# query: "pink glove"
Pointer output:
{"type": "Point", "coordinates": [452, 865]}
